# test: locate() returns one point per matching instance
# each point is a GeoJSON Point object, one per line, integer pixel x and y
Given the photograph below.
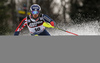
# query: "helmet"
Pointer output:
{"type": "Point", "coordinates": [35, 7]}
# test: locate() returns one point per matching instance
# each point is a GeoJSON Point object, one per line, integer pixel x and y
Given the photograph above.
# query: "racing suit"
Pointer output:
{"type": "Point", "coordinates": [35, 26]}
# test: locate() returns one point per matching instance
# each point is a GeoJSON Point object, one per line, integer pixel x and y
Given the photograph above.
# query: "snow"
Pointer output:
{"type": "Point", "coordinates": [89, 29]}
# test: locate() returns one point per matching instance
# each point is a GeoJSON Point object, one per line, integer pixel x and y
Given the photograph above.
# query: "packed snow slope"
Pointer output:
{"type": "Point", "coordinates": [83, 29]}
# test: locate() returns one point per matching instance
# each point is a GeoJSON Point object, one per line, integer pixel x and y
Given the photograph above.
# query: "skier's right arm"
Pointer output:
{"type": "Point", "coordinates": [20, 27]}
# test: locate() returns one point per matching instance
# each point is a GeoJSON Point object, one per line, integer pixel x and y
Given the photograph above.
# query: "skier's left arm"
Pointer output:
{"type": "Point", "coordinates": [48, 22]}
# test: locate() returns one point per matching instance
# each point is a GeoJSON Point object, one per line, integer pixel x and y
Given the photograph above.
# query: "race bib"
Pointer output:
{"type": "Point", "coordinates": [37, 29]}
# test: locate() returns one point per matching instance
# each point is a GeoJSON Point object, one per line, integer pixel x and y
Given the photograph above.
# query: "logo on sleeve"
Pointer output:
{"type": "Point", "coordinates": [47, 19]}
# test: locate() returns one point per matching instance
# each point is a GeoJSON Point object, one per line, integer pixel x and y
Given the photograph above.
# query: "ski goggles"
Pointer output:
{"type": "Point", "coordinates": [35, 12]}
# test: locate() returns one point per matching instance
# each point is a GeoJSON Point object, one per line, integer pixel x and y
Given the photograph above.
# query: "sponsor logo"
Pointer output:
{"type": "Point", "coordinates": [47, 18]}
{"type": "Point", "coordinates": [34, 24]}
{"type": "Point", "coordinates": [35, 8]}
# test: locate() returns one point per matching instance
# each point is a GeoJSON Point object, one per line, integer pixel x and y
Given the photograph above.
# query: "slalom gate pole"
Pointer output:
{"type": "Point", "coordinates": [65, 31]}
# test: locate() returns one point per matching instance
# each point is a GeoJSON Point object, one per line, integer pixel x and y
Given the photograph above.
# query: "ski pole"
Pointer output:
{"type": "Point", "coordinates": [65, 31]}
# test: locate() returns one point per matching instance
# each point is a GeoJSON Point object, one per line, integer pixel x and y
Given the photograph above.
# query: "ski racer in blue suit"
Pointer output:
{"type": "Point", "coordinates": [36, 22]}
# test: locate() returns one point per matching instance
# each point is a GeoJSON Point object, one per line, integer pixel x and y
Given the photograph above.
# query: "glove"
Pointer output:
{"type": "Point", "coordinates": [48, 25]}
{"type": "Point", "coordinates": [16, 33]}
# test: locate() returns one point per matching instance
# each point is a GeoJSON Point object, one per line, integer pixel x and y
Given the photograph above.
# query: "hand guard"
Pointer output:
{"type": "Point", "coordinates": [48, 25]}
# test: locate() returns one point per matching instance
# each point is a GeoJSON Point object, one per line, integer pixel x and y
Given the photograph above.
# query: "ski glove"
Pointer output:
{"type": "Point", "coordinates": [16, 33]}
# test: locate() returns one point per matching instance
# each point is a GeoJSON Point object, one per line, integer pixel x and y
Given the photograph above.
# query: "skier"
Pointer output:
{"type": "Point", "coordinates": [36, 22]}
